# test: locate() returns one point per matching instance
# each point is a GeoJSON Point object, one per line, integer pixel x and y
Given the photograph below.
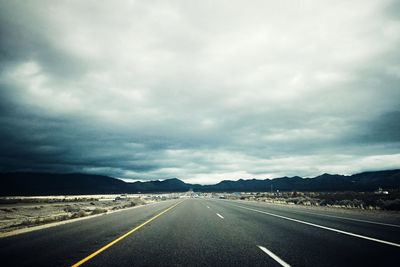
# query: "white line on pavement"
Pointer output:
{"type": "Point", "coordinates": [272, 255]}
{"type": "Point", "coordinates": [219, 215]}
{"type": "Point", "coordinates": [347, 218]}
{"type": "Point", "coordinates": [323, 227]}
{"type": "Point", "coordinates": [351, 219]}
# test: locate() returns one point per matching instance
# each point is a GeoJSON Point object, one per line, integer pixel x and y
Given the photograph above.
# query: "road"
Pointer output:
{"type": "Point", "coordinates": [211, 232]}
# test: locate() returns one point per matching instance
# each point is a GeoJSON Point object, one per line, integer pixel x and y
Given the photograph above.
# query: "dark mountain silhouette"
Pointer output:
{"type": "Point", "coordinates": [169, 185]}
{"type": "Point", "coordinates": [25, 183]}
{"type": "Point", "coordinates": [28, 183]}
{"type": "Point", "coordinates": [367, 181]}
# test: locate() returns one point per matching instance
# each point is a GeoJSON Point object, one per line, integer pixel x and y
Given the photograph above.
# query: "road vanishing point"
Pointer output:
{"type": "Point", "coordinates": [210, 232]}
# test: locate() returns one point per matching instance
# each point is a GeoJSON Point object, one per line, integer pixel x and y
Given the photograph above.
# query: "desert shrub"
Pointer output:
{"type": "Point", "coordinates": [71, 209]}
{"type": "Point", "coordinates": [44, 220]}
{"type": "Point", "coordinates": [345, 202]}
{"type": "Point", "coordinates": [129, 204]}
{"type": "Point", "coordinates": [98, 211]}
{"type": "Point", "coordinates": [63, 217]}
{"type": "Point", "coordinates": [26, 222]}
{"type": "Point", "coordinates": [326, 202]}
{"type": "Point", "coordinates": [137, 201]}
{"type": "Point", "coordinates": [389, 204]}
{"type": "Point", "coordinates": [358, 203]}
{"type": "Point", "coordinates": [132, 203]}
{"type": "Point", "coordinates": [299, 200]}
{"type": "Point", "coordinates": [6, 210]}
{"type": "Point", "coordinates": [78, 214]}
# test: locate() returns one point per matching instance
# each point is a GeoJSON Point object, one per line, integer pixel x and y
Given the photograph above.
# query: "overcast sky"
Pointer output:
{"type": "Point", "coordinates": [200, 90]}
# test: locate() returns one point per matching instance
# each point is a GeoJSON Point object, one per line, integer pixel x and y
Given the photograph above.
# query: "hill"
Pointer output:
{"type": "Point", "coordinates": [168, 185]}
{"type": "Point", "coordinates": [366, 181]}
{"type": "Point", "coordinates": [27, 183]}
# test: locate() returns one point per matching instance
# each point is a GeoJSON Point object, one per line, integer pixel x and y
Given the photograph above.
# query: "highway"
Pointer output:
{"type": "Point", "coordinates": [211, 232]}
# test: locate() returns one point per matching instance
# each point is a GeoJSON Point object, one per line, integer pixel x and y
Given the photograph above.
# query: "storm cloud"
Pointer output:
{"type": "Point", "coordinates": [200, 90]}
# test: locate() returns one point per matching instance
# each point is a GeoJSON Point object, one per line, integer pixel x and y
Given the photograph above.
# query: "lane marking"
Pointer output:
{"type": "Point", "coordinates": [208, 207]}
{"type": "Point", "coordinates": [219, 215]}
{"type": "Point", "coordinates": [341, 217]}
{"type": "Point", "coordinates": [324, 227]}
{"type": "Point", "coordinates": [351, 219]}
{"type": "Point", "coordinates": [273, 255]}
{"type": "Point", "coordinates": [79, 263]}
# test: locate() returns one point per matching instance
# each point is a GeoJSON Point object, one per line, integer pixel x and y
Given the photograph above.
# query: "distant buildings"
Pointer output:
{"type": "Point", "coordinates": [381, 192]}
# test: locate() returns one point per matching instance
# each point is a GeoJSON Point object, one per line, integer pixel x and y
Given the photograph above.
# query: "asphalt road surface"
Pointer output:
{"type": "Point", "coordinates": [210, 232]}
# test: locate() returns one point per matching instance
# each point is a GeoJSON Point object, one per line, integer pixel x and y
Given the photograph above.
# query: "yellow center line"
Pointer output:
{"type": "Point", "coordinates": [79, 263]}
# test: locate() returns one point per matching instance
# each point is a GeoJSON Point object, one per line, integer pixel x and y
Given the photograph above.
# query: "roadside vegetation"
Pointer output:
{"type": "Point", "coordinates": [348, 200]}
{"type": "Point", "coordinates": [22, 212]}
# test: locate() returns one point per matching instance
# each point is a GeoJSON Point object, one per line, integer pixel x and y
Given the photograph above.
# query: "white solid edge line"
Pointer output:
{"type": "Point", "coordinates": [346, 218]}
{"type": "Point", "coordinates": [272, 255]}
{"type": "Point", "coordinates": [219, 215]}
{"type": "Point", "coordinates": [324, 227]}
{"type": "Point", "coordinates": [350, 219]}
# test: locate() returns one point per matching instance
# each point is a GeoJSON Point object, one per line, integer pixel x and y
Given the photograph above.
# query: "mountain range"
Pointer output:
{"type": "Point", "coordinates": [32, 183]}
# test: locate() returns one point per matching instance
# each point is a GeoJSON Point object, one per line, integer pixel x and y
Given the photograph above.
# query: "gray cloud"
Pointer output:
{"type": "Point", "coordinates": [202, 91]}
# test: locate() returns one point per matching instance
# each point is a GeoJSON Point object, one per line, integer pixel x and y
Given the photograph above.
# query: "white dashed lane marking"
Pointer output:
{"type": "Point", "coordinates": [272, 255]}
{"type": "Point", "coordinates": [219, 215]}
